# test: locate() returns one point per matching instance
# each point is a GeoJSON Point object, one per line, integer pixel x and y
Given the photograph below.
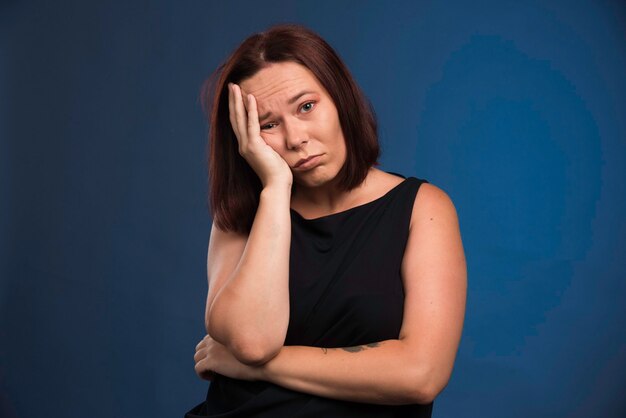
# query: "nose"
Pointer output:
{"type": "Point", "coordinates": [294, 136]}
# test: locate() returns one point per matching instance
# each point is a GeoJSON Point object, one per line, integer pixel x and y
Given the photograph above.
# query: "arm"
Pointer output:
{"type": "Point", "coordinates": [413, 369]}
{"type": "Point", "coordinates": [376, 373]}
{"type": "Point", "coordinates": [248, 299]}
{"type": "Point", "coordinates": [248, 308]}
{"type": "Point", "coordinates": [416, 367]}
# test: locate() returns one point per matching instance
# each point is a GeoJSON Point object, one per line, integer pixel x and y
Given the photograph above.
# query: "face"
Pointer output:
{"type": "Point", "coordinates": [298, 125]}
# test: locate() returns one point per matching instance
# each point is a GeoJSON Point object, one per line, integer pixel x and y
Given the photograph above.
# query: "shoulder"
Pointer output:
{"type": "Point", "coordinates": [380, 182]}
{"type": "Point", "coordinates": [432, 203]}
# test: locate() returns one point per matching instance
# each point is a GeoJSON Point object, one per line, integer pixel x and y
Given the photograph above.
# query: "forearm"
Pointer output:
{"type": "Point", "coordinates": [380, 373]}
{"type": "Point", "coordinates": [251, 312]}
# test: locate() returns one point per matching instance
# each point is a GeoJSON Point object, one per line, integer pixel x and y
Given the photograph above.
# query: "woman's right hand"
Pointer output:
{"type": "Point", "coordinates": [267, 163]}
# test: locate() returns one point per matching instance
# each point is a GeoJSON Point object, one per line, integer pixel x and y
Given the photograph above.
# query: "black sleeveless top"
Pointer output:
{"type": "Point", "coordinates": [345, 289]}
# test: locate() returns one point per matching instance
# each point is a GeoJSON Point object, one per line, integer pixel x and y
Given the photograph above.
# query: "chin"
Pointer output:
{"type": "Point", "coordinates": [317, 177]}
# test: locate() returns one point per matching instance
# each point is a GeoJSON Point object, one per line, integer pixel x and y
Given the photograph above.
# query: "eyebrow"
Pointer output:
{"type": "Point", "coordinates": [290, 101]}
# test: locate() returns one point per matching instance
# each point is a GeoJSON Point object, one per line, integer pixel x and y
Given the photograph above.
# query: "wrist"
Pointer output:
{"type": "Point", "coordinates": [280, 187]}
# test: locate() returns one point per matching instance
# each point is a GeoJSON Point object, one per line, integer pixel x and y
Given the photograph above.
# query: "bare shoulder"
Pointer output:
{"type": "Point", "coordinates": [385, 179]}
{"type": "Point", "coordinates": [432, 204]}
{"type": "Point", "coordinates": [382, 182]}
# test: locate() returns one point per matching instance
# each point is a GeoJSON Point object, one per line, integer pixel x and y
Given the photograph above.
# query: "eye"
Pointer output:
{"type": "Point", "coordinates": [308, 103]}
{"type": "Point", "coordinates": [307, 107]}
{"type": "Point", "coordinates": [267, 126]}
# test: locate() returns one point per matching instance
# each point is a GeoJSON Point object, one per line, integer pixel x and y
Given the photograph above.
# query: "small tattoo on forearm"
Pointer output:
{"type": "Point", "coordinates": [358, 348]}
{"type": "Point", "coordinates": [354, 349]}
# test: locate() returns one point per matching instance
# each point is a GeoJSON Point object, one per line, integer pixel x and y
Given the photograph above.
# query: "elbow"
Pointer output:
{"type": "Point", "coordinates": [250, 347]}
{"type": "Point", "coordinates": [249, 351]}
{"type": "Point", "coordinates": [425, 396]}
{"type": "Point", "coordinates": [255, 353]}
{"type": "Point", "coordinates": [423, 389]}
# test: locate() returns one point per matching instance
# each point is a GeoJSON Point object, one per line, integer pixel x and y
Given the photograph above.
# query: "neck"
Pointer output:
{"type": "Point", "coordinates": [326, 198]}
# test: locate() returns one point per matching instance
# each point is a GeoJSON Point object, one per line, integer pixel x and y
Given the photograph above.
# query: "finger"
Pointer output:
{"type": "Point", "coordinates": [202, 343]}
{"type": "Point", "coordinates": [203, 371]}
{"type": "Point", "coordinates": [198, 356]}
{"type": "Point", "coordinates": [200, 371]}
{"type": "Point", "coordinates": [232, 113]}
{"type": "Point", "coordinates": [244, 97]}
{"type": "Point", "coordinates": [240, 116]}
{"type": "Point", "coordinates": [254, 130]}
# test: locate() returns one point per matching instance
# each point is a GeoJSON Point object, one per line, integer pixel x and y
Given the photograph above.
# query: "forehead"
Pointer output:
{"type": "Point", "coordinates": [280, 79]}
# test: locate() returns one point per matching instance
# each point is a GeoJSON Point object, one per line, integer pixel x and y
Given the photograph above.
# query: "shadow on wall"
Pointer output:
{"type": "Point", "coordinates": [524, 153]}
{"type": "Point", "coordinates": [527, 151]}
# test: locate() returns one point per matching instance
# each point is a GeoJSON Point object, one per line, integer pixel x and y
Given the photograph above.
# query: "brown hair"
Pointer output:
{"type": "Point", "coordinates": [234, 186]}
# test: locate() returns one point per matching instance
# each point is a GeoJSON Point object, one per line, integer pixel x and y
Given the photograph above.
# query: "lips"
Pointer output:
{"type": "Point", "coordinates": [305, 160]}
{"type": "Point", "coordinates": [307, 163]}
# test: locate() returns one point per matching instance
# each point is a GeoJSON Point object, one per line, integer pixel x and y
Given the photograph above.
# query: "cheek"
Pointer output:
{"type": "Point", "coordinates": [273, 141]}
{"type": "Point", "coordinates": [331, 122]}
{"type": "Point", "coordinates": [333, 127]}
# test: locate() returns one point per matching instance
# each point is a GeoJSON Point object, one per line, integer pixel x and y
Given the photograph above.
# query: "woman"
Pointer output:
{"type": "Point", "coordinates": [335, 288]}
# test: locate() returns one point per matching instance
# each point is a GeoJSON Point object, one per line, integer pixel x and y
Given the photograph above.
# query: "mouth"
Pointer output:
{"type": "Point", "coordinates": [306, 163]}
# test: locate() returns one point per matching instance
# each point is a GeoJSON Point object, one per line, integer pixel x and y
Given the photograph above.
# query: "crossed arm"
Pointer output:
{"type": "Point", "coordinates": [412, 369]}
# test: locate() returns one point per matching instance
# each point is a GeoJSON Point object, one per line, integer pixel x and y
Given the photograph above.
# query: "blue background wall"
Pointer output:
{"type": "Point", "coordinates": [516, 109]}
